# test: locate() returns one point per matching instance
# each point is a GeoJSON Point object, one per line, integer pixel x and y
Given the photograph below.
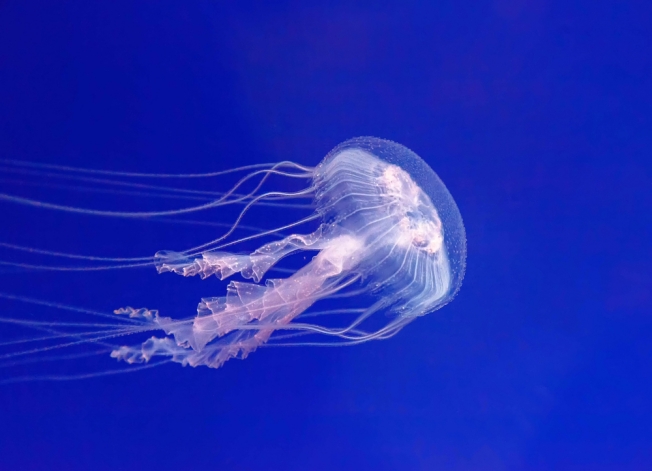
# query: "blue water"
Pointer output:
{"type": "Point", "coordinates": [536, 115]}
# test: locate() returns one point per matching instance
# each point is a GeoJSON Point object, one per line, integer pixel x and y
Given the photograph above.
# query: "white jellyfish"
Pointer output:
{"type": "Point", "coordinates": [389, 234]}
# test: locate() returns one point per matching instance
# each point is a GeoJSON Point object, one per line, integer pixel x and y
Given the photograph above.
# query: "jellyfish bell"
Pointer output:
{"type": "Point", "coordinates": [389, 234]}
{"type": "Point", "coordinates": [420, 223]}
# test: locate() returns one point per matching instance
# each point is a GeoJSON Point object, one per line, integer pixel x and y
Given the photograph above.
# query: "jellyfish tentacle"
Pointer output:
{"type": "Point", "coordinates": [113, 333]}
{"type": "Point", "coordinates": [162, 191]}
{"type": "Point", "coordinates": [49, 304]}
{"type": "Point", "coordinates": [254, 201]}
{"type": "Point", "coordinates": [250, 313]}
{"type": "Point", "coordinates": [239, 346]}
{"type": "Point", "coordinates": [67, 335]}
{"type": "Point", "coordinates": [223, 200]}
{"type": "Point", "coordinates": [386, 332]}
{"type": "Point", "coordinates": [74, 377]}
{"type": "Point", "coordinates": [70, 169]}
{"type": "Point", "coordinates": [51, 358]}
{"type": "Point", "coordinates": [149, 191]}
{"type": "Point", "coordinates": [132, 262]}
{"type": "Point", "coordinates": [225, 264]}
{"type": "Point", "coordinates": [330, 312]}
{"type": "Point", "coordinates": [119, 187]}
{"type": "Point", "coordinates": [145, 261]}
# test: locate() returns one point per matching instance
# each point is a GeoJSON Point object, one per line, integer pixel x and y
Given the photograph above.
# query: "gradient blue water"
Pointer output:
{"type": "Point", "coordinates": [536, 115]}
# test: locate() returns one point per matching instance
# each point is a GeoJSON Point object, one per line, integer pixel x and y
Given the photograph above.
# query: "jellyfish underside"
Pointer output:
{"type": "Point", "coordinates": [380, 235]}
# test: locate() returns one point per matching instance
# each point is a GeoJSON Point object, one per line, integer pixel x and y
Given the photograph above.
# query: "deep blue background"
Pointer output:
{"type": "Point", "coordinates": [536, 114]}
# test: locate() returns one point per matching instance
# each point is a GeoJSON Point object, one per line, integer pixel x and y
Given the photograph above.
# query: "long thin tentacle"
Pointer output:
{"type": "Point", "coordinates": [22, 163]}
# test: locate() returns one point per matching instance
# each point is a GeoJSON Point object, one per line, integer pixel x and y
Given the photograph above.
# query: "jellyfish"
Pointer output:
{"type": "Point", "coordinates": [389, 235]}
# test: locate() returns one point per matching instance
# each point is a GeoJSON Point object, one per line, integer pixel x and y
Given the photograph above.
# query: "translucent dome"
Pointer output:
{"type": "Point", "coordinates": [359, 183]}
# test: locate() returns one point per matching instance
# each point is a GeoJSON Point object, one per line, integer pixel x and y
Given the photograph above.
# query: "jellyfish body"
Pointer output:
{"type": "Point", "coordinates": [388, 248]}
{"type": "Point", "coordinates": [388, 226]}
